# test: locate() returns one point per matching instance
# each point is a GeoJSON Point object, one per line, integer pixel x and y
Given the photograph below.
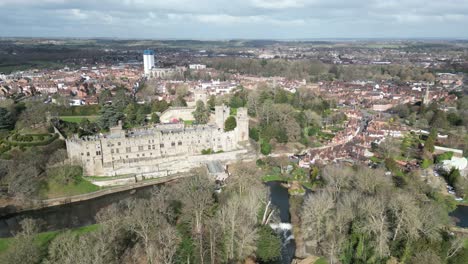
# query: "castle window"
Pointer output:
{"type": "Point", "coordinates": [140, 148]}
{"type": "Point", "coordinates": [180, 143]}
{"type": "Point", "coordinates": [149, 147]}
{"type": "Point", "coordinates": [112, 151]}
{"type": "Point", "coordinates": [98, 153]}
{"type": "Point", "coordinates": [117, 150]}
{"type": "Point", "coordinates": [118, 143]}
{"type": "Point", "coordinates": [143, 155]}
{"type": "Point", "coordinates": [173, 144]}
{"type": "Point", "coordinates": [87, 154]}
{"type": "Point", "coordinates": [154, 147]}
{"type": "Point", "coordinates": [128, 149]}
{"type": "Point", "coordinates": [161, 145]}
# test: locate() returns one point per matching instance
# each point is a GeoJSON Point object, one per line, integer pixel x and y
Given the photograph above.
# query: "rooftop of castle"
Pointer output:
{"type": "Point", "coordinates": [118, 132]}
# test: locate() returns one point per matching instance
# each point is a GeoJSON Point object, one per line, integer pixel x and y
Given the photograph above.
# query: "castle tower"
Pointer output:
{"type": "Point", "coordinates": [222, 112]}
{"type": "Point", "coordinates": [242, 129]}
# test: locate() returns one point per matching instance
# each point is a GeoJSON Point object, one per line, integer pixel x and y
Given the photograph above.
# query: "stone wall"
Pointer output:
{"type": "Point", "coordinates": [184, 113]}
{"type": "Point", "coordinates": [148, 150]}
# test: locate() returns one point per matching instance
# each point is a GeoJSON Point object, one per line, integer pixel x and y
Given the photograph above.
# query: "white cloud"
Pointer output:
{"type": "Point", "coordinates": [257, 18]}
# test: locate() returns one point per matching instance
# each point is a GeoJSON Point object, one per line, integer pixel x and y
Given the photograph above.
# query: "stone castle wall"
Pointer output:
{"type": "Point", "coordinates": [152, 149]}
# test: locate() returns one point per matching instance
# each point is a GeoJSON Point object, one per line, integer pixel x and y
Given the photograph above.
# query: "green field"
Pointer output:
{"type": "Point", "coordinates": [54, 189]}
{"type": "Point", "coordinates": [77, 119]}
{"type": "Point", "coordinates": [43, 239]}
{"type": "Point", "coordinates": [273, 178]}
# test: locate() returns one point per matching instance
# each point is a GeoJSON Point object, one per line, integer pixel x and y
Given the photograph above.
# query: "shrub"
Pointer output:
{"type": "Point", "coordinates": [425, 163]}
{"type": "Point", "coordinates": [260, 163]}
{"type": "Point", "coordinates": [32, 144]}
{"type": "Point", "coordinates": [443, 156]}
{"type": "Point", "coordinates": [253, 133]}
{"type": "Point", "coordinates": [230, 123]}
{"type": "Point", "coordinates": [265, 148]}
{"type": "Point", "coordinates": [207, 151]}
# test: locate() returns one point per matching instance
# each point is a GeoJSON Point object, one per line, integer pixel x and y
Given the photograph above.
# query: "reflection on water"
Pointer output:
{"type": "Point", "coordinates": [461, 216]}
{"type": "Point", "coordinates": [83, 214]}
{"type": "Point", "coordinates": [70, 215]}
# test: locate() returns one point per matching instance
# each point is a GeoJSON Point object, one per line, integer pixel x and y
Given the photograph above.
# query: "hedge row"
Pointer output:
{"type": "Point", "coordinates": [33, 144]}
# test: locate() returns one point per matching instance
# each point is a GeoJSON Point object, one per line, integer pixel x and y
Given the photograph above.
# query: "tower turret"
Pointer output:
{"type": "Point", "coordinates": [222, 112]}
{"type": "Point", "coordinates": [242, 128]}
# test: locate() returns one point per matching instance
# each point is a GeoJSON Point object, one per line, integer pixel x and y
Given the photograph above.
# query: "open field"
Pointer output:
{"type": "Point", "coordinates": [43, 239]}
{"type": "Point", "coordinates": [77, 119]}
{"type": "Point", "coordinates": [55, 189]}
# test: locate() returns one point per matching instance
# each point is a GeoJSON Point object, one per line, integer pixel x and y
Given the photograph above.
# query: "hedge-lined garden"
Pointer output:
{"type": "Point", "coordinates": [30, 140]}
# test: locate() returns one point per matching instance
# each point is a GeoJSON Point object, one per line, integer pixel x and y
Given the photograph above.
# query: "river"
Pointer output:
{"type": "Point", "coordinates": [280, 199]}
{"type": "Point", "coordinates": [68, 215]}
{"type": "Point", "coordinates": [460, 216]}
{"type": "Point", "coordinates": [83, 213]}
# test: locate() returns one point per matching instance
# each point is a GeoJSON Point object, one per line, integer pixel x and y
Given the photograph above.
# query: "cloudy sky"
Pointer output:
{"type": "Point", "coordinates": [228, 19]}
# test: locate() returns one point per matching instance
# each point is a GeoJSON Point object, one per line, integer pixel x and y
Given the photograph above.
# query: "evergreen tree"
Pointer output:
{"type": "Point", "coordinates": [109, 117]}
{"type": "Point", "coordinates": [155, 118]}
{"type": "Point", "coordinates": [430, 141]}
{"type": "Point", "coordinates": [6, 120]}
{"type": "Point", "coordinates": [201, 114]}
{"type": "Point", "coordinates": [230, 123]}
{"type": "Point", "coordinates": [211, 102]}
{"type": "Point", "coordinates": [268, 245]}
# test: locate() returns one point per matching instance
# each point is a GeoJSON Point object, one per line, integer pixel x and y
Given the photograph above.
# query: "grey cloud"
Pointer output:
{"type": "Point", "coordinates": [205, 19]}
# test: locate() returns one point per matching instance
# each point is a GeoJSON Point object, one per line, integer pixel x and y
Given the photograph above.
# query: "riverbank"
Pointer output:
{"type": "Point", "coordinates": [43, 239]}
{"type": "Point", "coordinates": [41, 204]}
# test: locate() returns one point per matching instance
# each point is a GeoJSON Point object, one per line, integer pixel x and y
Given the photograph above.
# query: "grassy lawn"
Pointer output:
{"type": "Point", "coordinates": [188, 122]}
{"type": "Point", "coordinates": [272, 178]}
{"type": "Point", "coordinates": [321, 261]}
{"type": "Point", "coordinates": [43, 239]}
{"type": "Point", "coordinates": [308, 185]}
{"type": "Point", "coordinates": [77, 119]}
{"type": "Point", "coordinates": [54, 189]}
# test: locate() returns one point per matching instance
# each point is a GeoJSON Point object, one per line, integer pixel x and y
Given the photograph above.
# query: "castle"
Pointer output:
{"type": "Point", "coordinates": [151, 149]}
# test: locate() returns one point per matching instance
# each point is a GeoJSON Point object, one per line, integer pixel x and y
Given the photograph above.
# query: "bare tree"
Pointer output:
{"type": "Point", "coordinates": [317, 210]}
{"type": "Point", "coordinates": [148, 219]}
{"type": "Point", "coordinates": [337, 177]}
{"type": "Point", "coordinates": [405, 211]}
{"type": "Point", "coordinates": [432, 218]}
{"type": "Point", "coordinates": [238, 219]}
{"type": "Point", "coordinates": [312, 118]}
{"type": "Point", "coordinates": [197, 198]}
{"type": "Point", "coordinates": [370, 181]}
{"type": "Point", "coordinates": [375, 222]}
{"type": "Point", "coordinates": [243, 176]}
{"type": "Point", "coordinates": [22, 248]}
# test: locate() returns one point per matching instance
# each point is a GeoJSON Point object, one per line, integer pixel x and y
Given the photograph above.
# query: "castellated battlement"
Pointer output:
{"type": "Point", "coordinates": [146, 149]}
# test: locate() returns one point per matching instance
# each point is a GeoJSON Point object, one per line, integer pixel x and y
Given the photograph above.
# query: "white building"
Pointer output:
{"type": "Point", "coordinates": [197, 66]}
{"type": "Point", "coordinates": [148, 61]}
